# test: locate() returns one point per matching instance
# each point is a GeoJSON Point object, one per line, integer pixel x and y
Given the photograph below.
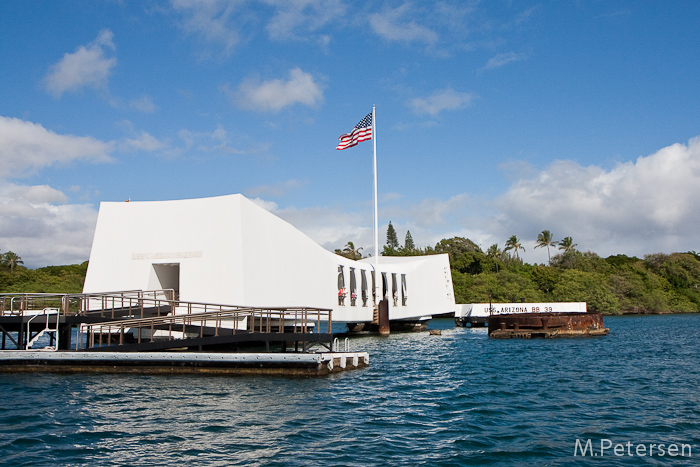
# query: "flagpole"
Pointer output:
{"type": "Point", "coordinates": [376, 217]}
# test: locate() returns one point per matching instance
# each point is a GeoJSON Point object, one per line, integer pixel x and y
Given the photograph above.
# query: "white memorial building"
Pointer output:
{"type": "Point", "coordinates": [231, 251]}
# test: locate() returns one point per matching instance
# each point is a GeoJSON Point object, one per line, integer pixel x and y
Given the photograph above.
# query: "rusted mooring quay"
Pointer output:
{"type": "Point", "coordinates": [154, 332]}
{"type": "Point", "coordinates": [545, 325]}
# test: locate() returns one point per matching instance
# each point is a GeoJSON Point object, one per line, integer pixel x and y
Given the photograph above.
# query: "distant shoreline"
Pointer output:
{"type": "Point", "coordinates": [651, 313]}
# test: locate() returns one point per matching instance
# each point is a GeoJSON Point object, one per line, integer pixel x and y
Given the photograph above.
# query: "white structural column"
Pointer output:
{"type": "Point", "coordinates": [376, 211]}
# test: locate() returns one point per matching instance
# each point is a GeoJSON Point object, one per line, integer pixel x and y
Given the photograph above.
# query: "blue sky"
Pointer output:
{"type": "Point", "coordinates": [494, 118]}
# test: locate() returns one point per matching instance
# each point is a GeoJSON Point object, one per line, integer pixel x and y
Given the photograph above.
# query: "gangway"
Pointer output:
{"type": "Point", "coordinates": [135, 320]}
{"type": "Point", "coordinates": [225, 326]}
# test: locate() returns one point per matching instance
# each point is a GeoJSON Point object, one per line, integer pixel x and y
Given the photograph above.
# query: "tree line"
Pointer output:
{"type": "Point", "coordinates": [15, 278]}
{"type": "Point", "coordinates": [656, 283]}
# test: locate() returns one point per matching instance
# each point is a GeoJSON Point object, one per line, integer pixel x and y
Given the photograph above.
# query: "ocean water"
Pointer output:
{"type": "Point", "coordinates": [450, 400]}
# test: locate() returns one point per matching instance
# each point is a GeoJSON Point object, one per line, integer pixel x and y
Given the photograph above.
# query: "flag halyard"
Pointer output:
{"type": "Point", "coordinates": [361, 132]}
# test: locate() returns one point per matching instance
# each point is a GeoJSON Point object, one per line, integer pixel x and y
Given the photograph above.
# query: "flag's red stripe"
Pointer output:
{"type": "Point", "coordinates": [361, 132]}
{"type": "Point", "coordinates": [349, 140]}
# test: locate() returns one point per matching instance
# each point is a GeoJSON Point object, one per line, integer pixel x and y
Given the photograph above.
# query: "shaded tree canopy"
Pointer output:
{"type": "Point", "coordinates": [456, 246]}
{"type": "Point", "coordinates": [392, 240]}
{"type": "Point", "coordinates": [50, 279]}
{"type": "Point", "coordinates": [408, 242]}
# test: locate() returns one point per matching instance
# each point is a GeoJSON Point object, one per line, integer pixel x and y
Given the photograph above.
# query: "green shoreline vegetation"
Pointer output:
{"type": "Point", "coordinates": [15, 278]}
{"type": "Point", "coordinates": [619, 284]}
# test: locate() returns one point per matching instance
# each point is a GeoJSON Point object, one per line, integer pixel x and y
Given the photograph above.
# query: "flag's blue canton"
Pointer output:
{"type": "Point", "coordinates": [365, 122]}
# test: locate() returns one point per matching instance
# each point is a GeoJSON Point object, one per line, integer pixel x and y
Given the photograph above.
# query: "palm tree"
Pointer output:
{"type": "Point", "coordinates": [11, 259]}
{"type": "Point", "coordinates": [545, 239]}
{"type": "Point", "coordinates": [513, 243]}
{"type": "Point", "coordinates": [351, 252]}
{"type": "Point", "coordinates": [567, 244]}
{"type": "Point", "coordinates": [495, 253]}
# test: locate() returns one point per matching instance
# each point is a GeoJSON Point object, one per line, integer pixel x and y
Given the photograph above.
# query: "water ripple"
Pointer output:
{"type": "Point", "coordinates": [447, 400]}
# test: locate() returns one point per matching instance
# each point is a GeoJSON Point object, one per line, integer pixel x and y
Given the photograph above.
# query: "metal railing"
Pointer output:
{"type": "Point", "coordinates": [24, 304]}
{"type": "Point", "coordinates": [133, 303]}
{"type": "Point", "coordinates": [202, 320]}
{"type": "Point", "coordinates": [158, 314]}
{"type": "Point", "coordinates": [105, 304]}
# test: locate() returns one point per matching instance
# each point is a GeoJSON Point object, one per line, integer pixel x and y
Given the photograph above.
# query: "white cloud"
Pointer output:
{"type": "Point", "coordinates": [503, 59]}
{"type": "Point", "coordinates": [432, 213]}
{"type": "Point", "coordinates": [639, 207]}
{"type": "Point", "coordinates": [35, 221]}
{"type": "Point", "coordinates": [216, 140]}
{"type": "Point", "coordinates": [144, 142]}
{"type": "Point", "coordinates": [394, 25]}
{"type": "Point", "coordinates": [33, 194]}
{"type": "Point", "coordinates": [210, 19]}
{"type": "Point", "coordinates": [26, 146]}
{"type": "Point", "coordinates": [228, 23]}
{"type": "Point", "coordinates": [267, 205]}
{"type": "Point", "coordinates": [35, 224]}
{"type": "Point", "coordinates": [446, 99]}
{"type": "Point", "coordinates": [144, 104]}
{"type": "Point", "coordinates": [88, 66]}
{"type": "Point", "coordinates": [295, 19]}
{"type": "Point", "coordinates": [274, 95]}
{"type": "Point", "coordinates": [328, 226]}
{"type": "Point", "coordinates": [279, 189]}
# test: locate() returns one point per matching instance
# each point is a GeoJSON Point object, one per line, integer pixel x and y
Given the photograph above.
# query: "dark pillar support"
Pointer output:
{"type": "Point", "coordinates": [20, 336]}
{"type": "Point", "coordinates": [384, 317]}
{"type": "Point", "coordinates": [64, 339]}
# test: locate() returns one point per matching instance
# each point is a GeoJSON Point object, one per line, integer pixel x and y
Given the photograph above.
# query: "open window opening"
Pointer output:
{"type": "Point", "coordinates": [385, 287]}
{"type": "Point", "coordinates": [353, 288]}
{"type": "Point", "coordinates": [404, 293]}
{"type": "Point", "coordinates": [363, 279]}
{"type": "Point", "coordinates": [394, 290]}
{"type": "Point", "coordinates": [374, 288]}
{"type": "Point", "coordinates": [341, 286]}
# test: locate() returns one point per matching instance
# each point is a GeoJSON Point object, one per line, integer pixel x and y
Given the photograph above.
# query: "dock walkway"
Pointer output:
{"type": "Point", "coordinates": [153, 331]}
{"type": "Point", "coordinates": [287, 363]}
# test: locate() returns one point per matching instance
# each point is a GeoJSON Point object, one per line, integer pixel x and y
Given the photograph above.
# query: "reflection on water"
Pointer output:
{"type": "Point", "coordinates": [445, 400]}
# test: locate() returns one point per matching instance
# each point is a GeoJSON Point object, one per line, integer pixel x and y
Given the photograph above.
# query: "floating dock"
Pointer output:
{"type": "Point", "coordinates": [223, 363]}
{"type": "Point", "coordinates": [154, 332]}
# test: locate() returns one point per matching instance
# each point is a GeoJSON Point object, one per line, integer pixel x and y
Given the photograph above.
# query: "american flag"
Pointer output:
{"type": "Point", "coordinates": [361, 132]}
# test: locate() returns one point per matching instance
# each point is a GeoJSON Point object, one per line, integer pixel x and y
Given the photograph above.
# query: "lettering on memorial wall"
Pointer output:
{"type": "Point", "coordinates": [167, 255]}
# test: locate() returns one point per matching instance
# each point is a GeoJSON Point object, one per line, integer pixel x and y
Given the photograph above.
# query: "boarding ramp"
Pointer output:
{"type": "Point", "coordinates": [112, 305]}
{"type": "Point", "coordinates": [199, 325]}
{"type": "Point", "coordinates": [137, 320]}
